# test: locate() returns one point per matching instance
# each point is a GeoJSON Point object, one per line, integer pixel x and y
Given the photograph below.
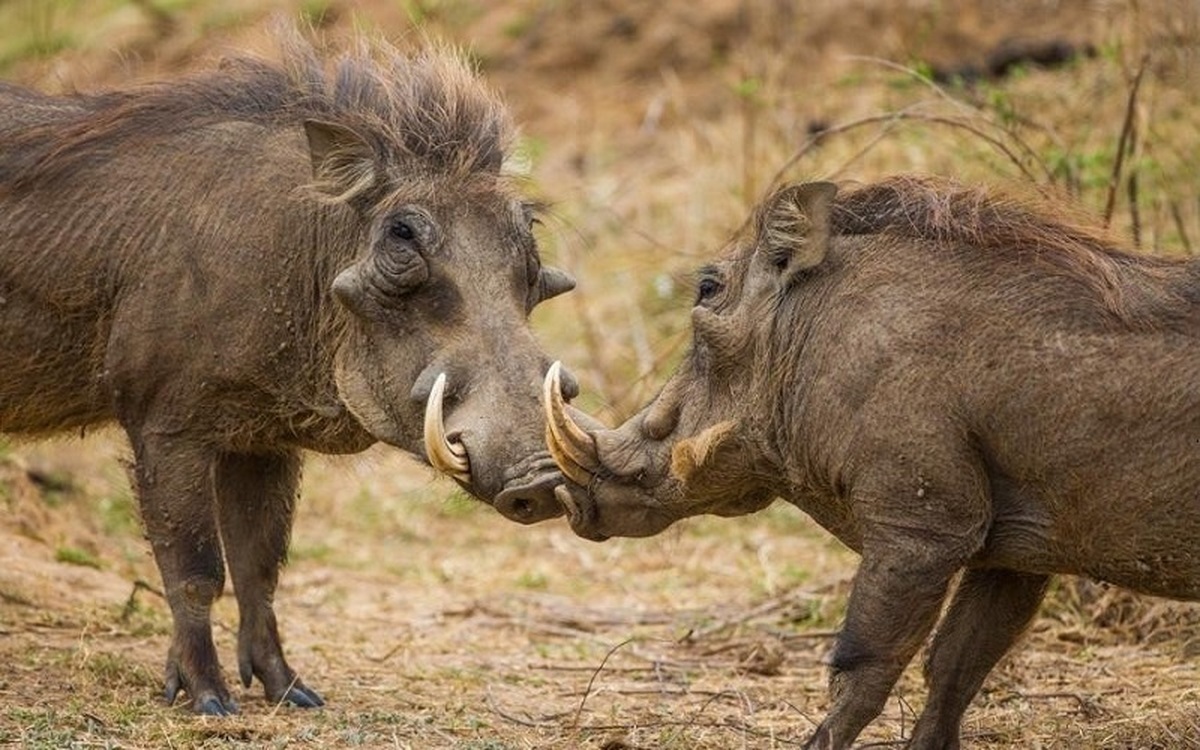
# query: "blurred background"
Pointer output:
{"type": "Point", "coordinates": [651, 128]}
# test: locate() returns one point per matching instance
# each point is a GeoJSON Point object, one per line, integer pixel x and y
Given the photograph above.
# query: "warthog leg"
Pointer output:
{"type": "Point", "coordinates": [256, 497]}
{"type": "Point", "coordinates": [175, 488]}
{"type": "Point", "coordinates": [891, 611]}
{"type": "Point", "coordinates": [989, 611]}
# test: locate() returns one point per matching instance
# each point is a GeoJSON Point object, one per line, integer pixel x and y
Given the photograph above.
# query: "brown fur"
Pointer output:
{"type": "Point", "coordinates": [952, 382]}
{"type": "Point", "coordinates": [261, 259]}
{"type": "Point", "coordinates": [1034, 238]}
{"type": "Point", "coordinates": [426, 112]}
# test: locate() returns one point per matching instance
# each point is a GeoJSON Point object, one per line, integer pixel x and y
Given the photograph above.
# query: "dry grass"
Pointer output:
{"type": "Point", "coordinates": [429, 622]}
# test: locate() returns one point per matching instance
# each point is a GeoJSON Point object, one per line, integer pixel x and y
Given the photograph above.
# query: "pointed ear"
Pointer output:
{"type": "Point", "coordinates": [553, 282]}
{"type": "Point", "coordinates": [796, 227]}
{"type": "Point", "coordinates": [344, 164]}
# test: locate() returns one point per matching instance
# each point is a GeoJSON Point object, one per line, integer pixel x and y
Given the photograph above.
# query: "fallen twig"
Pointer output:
{"type": "Point", "coordinates": [131, 603]}
{"type": "Point", "coordinates": [546, 721]}
{"type": "Point", "coordinates": [595, 674]}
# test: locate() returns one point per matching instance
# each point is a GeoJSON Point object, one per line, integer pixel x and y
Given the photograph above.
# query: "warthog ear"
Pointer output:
{"type": "Point", "coordinates": [553, 282]}
{"type": "Point", "coordinates": [796, 227]}
{"type": "Point", "coordinates": [344, 164]}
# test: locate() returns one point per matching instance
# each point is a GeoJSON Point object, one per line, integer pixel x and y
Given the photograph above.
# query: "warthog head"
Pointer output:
{"type": "Point", "coordinates": [703, 444]}
{"type": "Point", "coordinates": [436, 355]}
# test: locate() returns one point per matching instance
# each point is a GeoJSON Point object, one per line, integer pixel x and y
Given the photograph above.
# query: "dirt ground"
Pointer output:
{"type": "Point", "coordinates": [424, 618]}
{"type": "Point", "coordinates": [428, 622]}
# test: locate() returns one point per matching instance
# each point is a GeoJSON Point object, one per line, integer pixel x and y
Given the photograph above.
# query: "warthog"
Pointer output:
{"type": "Point", "coordinates": [946, 380]}
{"type": "Point", "coordinates": [268, 258]}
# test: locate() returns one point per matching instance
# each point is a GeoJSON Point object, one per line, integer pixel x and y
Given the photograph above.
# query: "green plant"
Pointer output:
{"type": "Point", "coordinates": [119, 514]}
{"type": "Point", "coordinates": [532, 580]}
{"type": "Point", "coordinates": [315, 12]}
{"type": "Point", "coordinates": [76, 556]}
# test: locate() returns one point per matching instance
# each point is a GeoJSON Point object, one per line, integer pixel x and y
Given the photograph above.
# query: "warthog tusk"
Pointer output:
{"type": "Point", "coordinates": [572, 448]}
{"type": "Point", "coordinates": [563, 495]}
{"type": "Point", "coordinates": [446, 457]}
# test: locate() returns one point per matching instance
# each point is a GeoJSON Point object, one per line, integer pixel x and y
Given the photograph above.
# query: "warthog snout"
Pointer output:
{"type": "Point", "coordinates": [522, 491]}
{"type": "Point", "coordinates": [531, 502]}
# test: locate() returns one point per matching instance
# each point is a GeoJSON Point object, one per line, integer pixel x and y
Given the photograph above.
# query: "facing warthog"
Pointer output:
{"type": "Point", "coordinates": [945, 380]}
{"type": "Point", "coordinates": [263, 259]}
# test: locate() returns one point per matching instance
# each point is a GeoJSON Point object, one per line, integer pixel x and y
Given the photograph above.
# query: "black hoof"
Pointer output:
{"type": "Point", "coordinates": [302, 697]}
{"type": "Point", "coordinates": [216, 707]}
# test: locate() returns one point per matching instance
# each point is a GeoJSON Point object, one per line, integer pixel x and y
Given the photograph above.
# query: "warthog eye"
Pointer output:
{"type": "Point", "coordinates": [402, 230]}
{"type": "Point", "coordinates": [707, 287]}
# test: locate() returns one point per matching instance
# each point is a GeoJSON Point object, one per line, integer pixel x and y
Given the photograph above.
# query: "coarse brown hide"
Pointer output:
{"type": "Point", "coordinates": [949, 381]}
{"type": "Point", "coordinates": [259, 260]}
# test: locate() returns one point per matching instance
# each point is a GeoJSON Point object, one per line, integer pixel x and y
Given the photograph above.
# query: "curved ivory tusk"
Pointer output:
{"type": "Point", "coordinates": [563, 495]}
{"type": "Point", "coordinates": [446, 457]}
{"type": "Point", "coordinates": [572, 448]}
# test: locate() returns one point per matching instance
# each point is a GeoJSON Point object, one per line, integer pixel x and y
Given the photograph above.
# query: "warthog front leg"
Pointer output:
{"type": "Point", "coordinates": [989, 611]}
{"type": "Point", "coordinates": [892, 609]}
{"type": "Point", "coordinates": [256, 497]}
{"type": "Point", "coordinates": [175, 488]}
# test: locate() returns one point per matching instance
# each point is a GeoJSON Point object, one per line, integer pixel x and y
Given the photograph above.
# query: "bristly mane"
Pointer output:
{"type": "Point", "coordinates": [426, 111]}
{"type": "Point", "coordinates": [1140, 290]}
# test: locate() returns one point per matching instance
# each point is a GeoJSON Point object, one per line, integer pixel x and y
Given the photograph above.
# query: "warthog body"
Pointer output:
{"type": "Point", "coordinates": [247, 263]}
{"type": "Point", "coordinates": [948, 382]}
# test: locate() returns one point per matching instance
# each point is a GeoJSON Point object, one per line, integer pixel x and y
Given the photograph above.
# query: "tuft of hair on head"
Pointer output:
{"type": "Point", "coordinates": [426, 111]}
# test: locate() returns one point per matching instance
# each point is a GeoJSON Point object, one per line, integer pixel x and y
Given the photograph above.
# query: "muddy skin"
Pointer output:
{"type": "Point", "coordinates": [951, 382]}
{"type": "Point", "coordinates": [269, 258]}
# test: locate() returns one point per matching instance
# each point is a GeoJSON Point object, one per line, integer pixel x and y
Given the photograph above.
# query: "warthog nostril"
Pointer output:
{"type": "Point", "coordinates": [530, 502]}
{"type": "Point", "coordinates": [521, 507]}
